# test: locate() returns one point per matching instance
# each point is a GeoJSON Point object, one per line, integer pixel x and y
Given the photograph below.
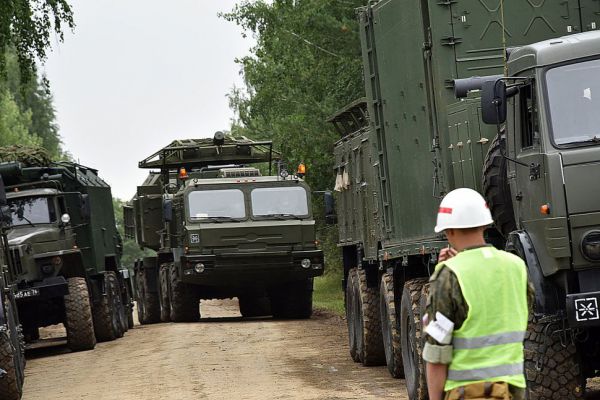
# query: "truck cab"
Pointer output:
{"type": "Point", "coordinates": [221, 229]}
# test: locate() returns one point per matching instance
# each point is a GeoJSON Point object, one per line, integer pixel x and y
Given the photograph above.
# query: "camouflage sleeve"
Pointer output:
{"type": "Point", "coordinates": [445, 297]}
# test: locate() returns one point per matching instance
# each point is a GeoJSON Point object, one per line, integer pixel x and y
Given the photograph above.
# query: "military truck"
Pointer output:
{"type": "Point", "coordinates": [66, 253]}
{"type": "Point", "coordinates": [12, 345]}
{"type": "Point", "coordinates": [411, 140]}
{"type": "Point", "coordinates": [221, 229]}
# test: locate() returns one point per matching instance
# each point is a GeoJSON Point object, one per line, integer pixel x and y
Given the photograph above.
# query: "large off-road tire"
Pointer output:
{"type": "Point", "coordinates": [107, 318]}
{"type": "Point", "coordinates": [370, 341]}
{"type": "Point", "coordinates": [163, 293]}
{"type": "Point", "coordinates": [12, 357]}
{"type": "Point", "coordinates": [254, 306]}
{"type": "Point", "coordinates": [11, 386]}
{"type": "Point", "coordinates": [128, 301]}
{"type": "Point", "coordinates": [147, 302]}
{"type": "Point", "coordinates": [292, 300]}
{"type": "Point", "coordinates": [552, 369]}
{"type": "Point", "coordinates": [390, 326]}
{"type": "Point", "coordinates": [412, 344]}
{"type": "Point", "coordinates": [79, 323]}
{"type": "Point", "coordinates": [183, 300]}
{"type": "Point", "coordinates": [351, 312]}
{"type": "Point", "coordinates": [495, 186]}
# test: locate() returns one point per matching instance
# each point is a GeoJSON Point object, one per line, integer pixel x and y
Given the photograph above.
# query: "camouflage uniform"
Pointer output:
{"type": "Point", "coordinates": [445, 296]}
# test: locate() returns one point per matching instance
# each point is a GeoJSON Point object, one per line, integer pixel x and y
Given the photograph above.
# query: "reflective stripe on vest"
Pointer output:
{"type": "Point", "coordinates": [489, 344]}
{"type": "Point", "coordinates": [490, 340]}
{"type": "Point", "coordinates": [480, 374]}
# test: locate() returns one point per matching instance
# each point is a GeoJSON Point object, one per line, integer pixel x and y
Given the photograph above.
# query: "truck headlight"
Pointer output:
{"type": "Point", "coordinates": [199, 268]}
{"type": "Point", "coordinates": [305, 263]}
{"type": "Point", "coordinates": [590, 246]}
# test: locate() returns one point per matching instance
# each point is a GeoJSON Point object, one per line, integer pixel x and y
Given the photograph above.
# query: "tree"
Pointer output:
{"type": "Point", "coordinates": [306, 64]}
{"type": "Point", "coordinates": [26, 26]}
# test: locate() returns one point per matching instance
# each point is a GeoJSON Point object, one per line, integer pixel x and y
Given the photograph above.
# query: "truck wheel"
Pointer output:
{"type": "Point", "coordinates": [11, 386]}
{"type": "Point", "coordinates": [129, 305]}
{"type": "Point", "coordinates": [107, 322]}
{"type": "Point", "coordinates": [12, 359]}
{"type": "Point", "coordinates": [552, 370]}
{"type": "Point", "coordinates": [147, 302]}
{"type": "Point", "coordinates": [495, 186]}
{"type": "Point", "coordinates": [390, 326]}
{"type": "Point", "coordinates": [254, 306]}
{"type": "Point", "coordinates": [78, 316]}
{"type": "Point", "coordinates": [351, 311]}
{"type": "Point", "coordinates": [292, 300]}
{"type": "Point", "coordinates": [370, 341]}
{"type": "Point", "coordinates": [163, 296]}
{"type": "Point", "coordinates": [412, 348]}
{"type": "Point", "coordinates": [183, 301]}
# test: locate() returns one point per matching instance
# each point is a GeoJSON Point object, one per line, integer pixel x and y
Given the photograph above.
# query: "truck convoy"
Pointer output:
{"type": "Point", "coordinates": [65, 253]}
{"type": "Point", "coordinates": [421, 131]}
{"type": "Point", "coordinates": [220, 229]}
{"type": "Point", "coordinates": [12, 345]}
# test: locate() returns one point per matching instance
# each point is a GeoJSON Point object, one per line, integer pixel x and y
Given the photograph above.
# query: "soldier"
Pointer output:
{"type": "Point", "coordinates": [477, 310]}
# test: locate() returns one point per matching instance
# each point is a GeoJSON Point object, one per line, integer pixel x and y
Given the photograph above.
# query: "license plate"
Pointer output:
{"type": "Point", "coordinates": [22, 294]}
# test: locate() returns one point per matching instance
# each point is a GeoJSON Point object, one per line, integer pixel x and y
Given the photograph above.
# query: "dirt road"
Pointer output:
{"type": "Point", "coordinates": [222, 357]}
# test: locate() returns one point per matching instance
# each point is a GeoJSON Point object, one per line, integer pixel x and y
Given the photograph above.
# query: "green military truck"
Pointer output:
{"type": "Point", "coordinates": [12, 345]}
{"type": "Point", "coordinates": [66, 253]}
{"type": "Point", "coordinates": [411, 141]}
{"type": "Point", "coordinates": [220, 229]}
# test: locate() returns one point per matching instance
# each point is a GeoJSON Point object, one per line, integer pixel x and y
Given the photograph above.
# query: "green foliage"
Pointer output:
{"type": "Point", "coordinates": [14, 124]}
{"type": "Point", "coordinates": [131, 251]}
{"type": "Point", "coordinates": [305, 66]}
{"type": "Point", "coordinates": [27, 115]}
{"type": "Point", "coordinates": [328, 294]}
{"type": "Point", "coordinates": [27, 26]}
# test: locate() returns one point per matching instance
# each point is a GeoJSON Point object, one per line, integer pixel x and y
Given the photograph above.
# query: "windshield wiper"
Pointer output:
{"type": "Point", "coordinates": [595, 139]}
{"type": "Point", "coordinates": [26, 220]}
{"type": "Point", "coordinates": [281, 216]}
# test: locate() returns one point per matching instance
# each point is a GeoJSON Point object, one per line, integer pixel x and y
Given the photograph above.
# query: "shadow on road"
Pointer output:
{"type": "Point", "coordinates": [46, 348]}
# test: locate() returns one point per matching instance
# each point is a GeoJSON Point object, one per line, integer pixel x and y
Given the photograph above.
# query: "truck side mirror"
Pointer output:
{"type": "Point", "coordinates": [168, 210]}
{"type": "Point", "coordinates": [86, 208]}
{"type": "Point", "coordinates": [493, 102]}
{"type": "Point", "coordinates": [330, 215]}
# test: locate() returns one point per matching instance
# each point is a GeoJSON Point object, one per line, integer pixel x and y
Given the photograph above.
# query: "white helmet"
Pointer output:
{"type": "Point", "coordinates": [463, 208]}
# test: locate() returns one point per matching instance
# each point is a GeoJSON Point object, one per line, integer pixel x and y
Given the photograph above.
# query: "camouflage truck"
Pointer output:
{"type": "Point", "coordinates": [220, 229]}
{"type": "Point", "coordinates": [12, 345]}
{"type": "Point", "coordinates": [66, 252]}
{"type": "Point", "coordinates": [411, 141]}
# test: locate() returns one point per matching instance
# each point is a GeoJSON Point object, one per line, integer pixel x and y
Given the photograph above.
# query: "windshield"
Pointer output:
{"type": "Point", "coordinates": [574, 102]}
{"type": "Point", "coordinates": [32, 210]}
{"type": "Point", "coordinates": [206, 204]}
{"type": "Point", "coordinates": [279, 201]}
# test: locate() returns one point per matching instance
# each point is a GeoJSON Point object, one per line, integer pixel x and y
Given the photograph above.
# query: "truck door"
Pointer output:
{"type": "Point", "coordinates": [529, 187]}
{"type": "Point", "coordinates": [477, 28]}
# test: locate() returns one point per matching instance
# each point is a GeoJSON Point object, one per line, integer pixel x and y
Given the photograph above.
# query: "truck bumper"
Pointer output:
{"type": "Point", "coordinates": [256, 268]}
{"type": "Point", "coordinates": [582, 309]}
{"type": "Point", "coordinates": [46, 289]}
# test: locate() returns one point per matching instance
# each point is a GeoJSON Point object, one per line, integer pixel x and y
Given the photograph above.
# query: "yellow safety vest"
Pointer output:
{"type": "Point", "coordinates": [488, 347]}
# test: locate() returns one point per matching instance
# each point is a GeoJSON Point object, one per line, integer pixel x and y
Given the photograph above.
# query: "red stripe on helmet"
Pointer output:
{"type": "Point", "coordinates": [445, 210]}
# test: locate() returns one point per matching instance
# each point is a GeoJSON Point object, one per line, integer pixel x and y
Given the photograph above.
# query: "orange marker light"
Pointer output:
{"type": "Point", "coordinates": [183, 175]}
{"type": "Point", "coordinates": [301, 170]}
{"type": "Point", "coordinates": [545, 209]}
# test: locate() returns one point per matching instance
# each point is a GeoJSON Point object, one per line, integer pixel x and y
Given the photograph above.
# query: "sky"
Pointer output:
{"type": "Point", "coordinates": [136, 74]}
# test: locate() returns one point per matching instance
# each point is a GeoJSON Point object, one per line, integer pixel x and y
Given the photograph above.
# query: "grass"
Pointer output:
{"type": "Point", "coordinates": [328, 294]}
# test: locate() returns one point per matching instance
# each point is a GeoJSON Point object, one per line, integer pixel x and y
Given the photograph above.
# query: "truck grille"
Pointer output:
{"type": "Point", "coordinates": [15, 262]}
